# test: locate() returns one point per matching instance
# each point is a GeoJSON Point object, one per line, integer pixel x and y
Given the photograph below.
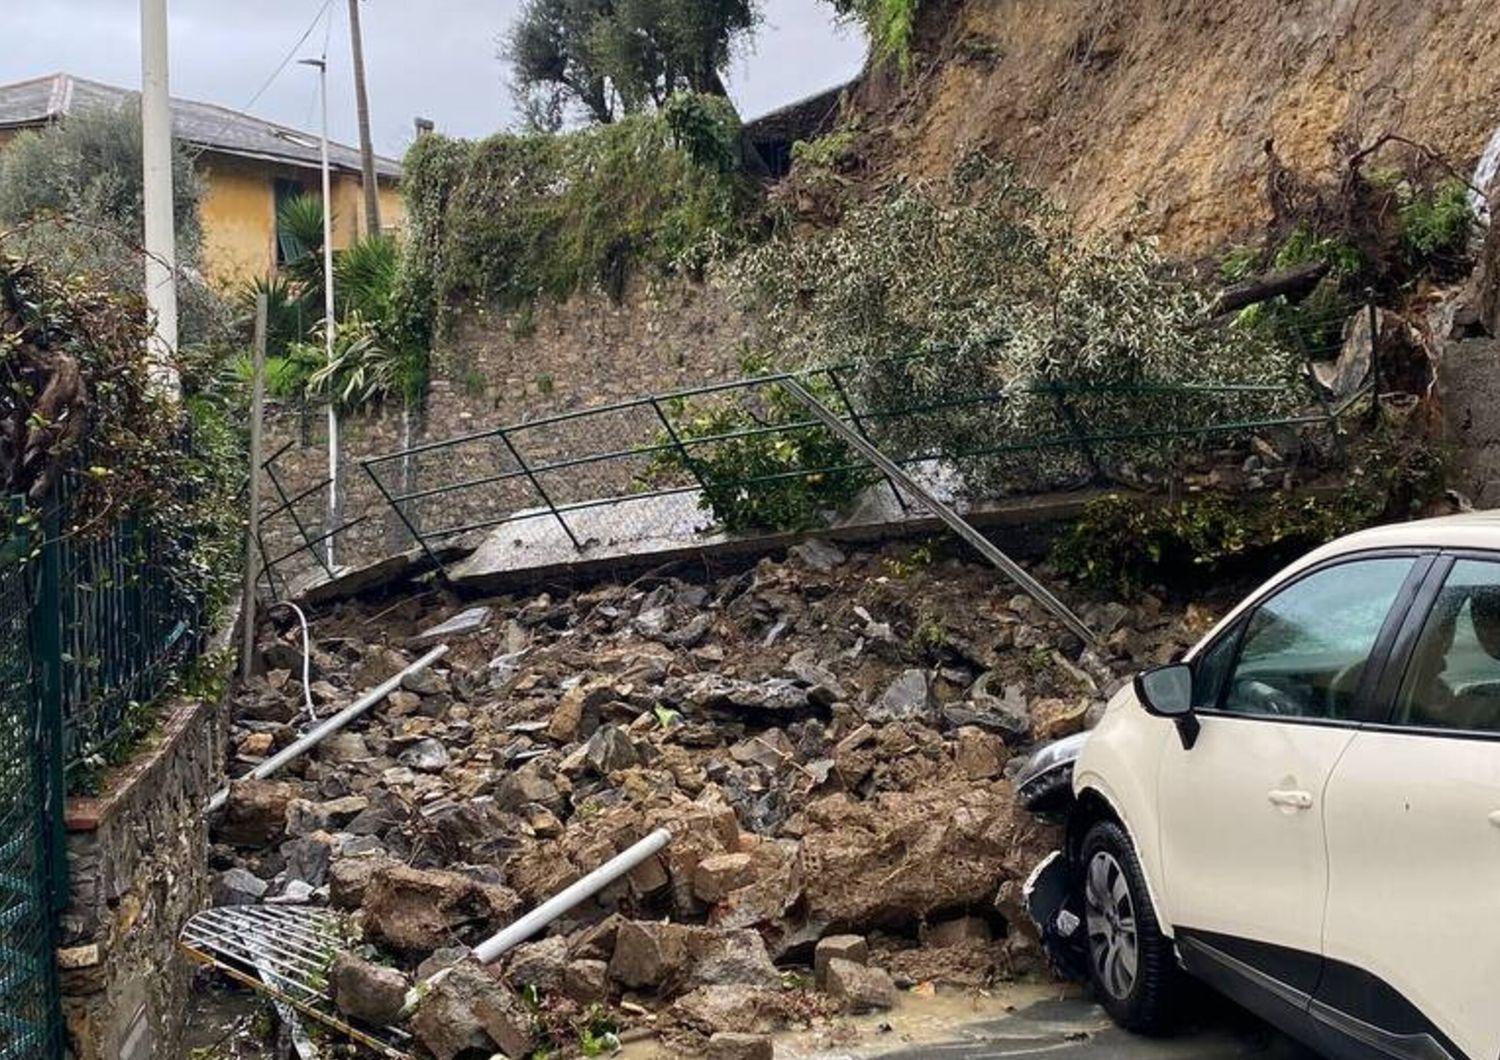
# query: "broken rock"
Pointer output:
{"type": "Point", "coordinates": [416, 911]}
{"type": "Point", "coordinates": [858, 987]}
{"type": "Point", "coordinates": [474, 620]}
{"type": "Point", "coordinates": [909, 698]}
{"type": "Point", "coordinates": [367, 991]}
{"type": "Point", "coordinates": [718, 875]}
{"type": "Point", "coordinates": [852, 948]}
{"type": "Point", "coordinates": [238, 887]}
{"type": "Point", "coordinates": [730, 1045]}
{"type": "Point", "coordinates": [255, 815]}
{"type": "Point", "coordinates": [469, 1011]}
{"type": "Point", "coordinates": [425, 756]}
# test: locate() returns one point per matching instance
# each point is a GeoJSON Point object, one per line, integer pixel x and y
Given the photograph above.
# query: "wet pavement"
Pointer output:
{"type": "Point", "coordinates": [1076, 1029]}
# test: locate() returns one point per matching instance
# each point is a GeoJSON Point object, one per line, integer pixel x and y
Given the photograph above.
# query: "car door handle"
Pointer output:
{"type": "Point", "coordinates": [1291, 800]}
{"type": "Point", "coordinates": [1495, 818]}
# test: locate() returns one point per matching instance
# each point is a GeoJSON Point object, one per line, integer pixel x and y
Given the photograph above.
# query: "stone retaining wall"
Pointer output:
{"type": "Point", "coordinates": [137, 869]}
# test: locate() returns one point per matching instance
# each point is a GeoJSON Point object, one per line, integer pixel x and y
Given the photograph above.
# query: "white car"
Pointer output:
{"type": "Point", "coordinates": [1306, 813]}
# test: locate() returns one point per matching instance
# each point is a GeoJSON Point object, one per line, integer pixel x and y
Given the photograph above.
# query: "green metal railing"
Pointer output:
{"type": "Point", "coordinates": [92, 628]}
{"type": "Point", "coordinates": [30, 811]}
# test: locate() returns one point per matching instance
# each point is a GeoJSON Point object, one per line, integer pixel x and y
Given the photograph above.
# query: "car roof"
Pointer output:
{"type": "Point", "coordinates": [1478, 530]}
{"type": "Point", "coordinates": [1472, 530]}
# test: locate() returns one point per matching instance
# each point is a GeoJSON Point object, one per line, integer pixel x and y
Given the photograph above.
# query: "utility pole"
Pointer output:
{"type": "Point", "coordinates": [161, 235]}
{"type": "Point", "coordinates": [330, 324]}
{"type": "Point", "coordinates": [362, 105]}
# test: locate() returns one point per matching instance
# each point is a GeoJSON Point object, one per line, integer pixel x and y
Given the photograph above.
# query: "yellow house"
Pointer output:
{"type": "Point", "coordinates": [249, 166]}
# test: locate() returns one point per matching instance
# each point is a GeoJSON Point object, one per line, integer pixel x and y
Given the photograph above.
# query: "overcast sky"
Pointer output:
{"type": "Point", "coordinates": [434, 58]}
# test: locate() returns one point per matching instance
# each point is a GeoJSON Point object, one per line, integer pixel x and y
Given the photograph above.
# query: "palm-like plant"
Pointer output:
{"type": "Point", "coordinates": [372, 360]}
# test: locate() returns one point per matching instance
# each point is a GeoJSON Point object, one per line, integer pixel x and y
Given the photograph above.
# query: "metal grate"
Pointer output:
{"type": "Point", "coordinates": [284, 952]}
{"type": "Point", "coordinates": [30, 1018]}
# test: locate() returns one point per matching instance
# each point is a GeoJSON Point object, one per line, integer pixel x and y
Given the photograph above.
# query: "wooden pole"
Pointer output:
{"type": "Point", "coordinates": [252, 537]}
{"type": "Point", "coordinates": [362, 107]}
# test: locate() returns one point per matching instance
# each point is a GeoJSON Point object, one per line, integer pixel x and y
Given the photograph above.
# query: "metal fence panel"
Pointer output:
{"type": "Point", "coordinates": [30, 806]}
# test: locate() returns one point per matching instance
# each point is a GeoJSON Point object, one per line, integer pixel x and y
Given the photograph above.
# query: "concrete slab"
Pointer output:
{"type": "Point", "coordinates": [645, 532]}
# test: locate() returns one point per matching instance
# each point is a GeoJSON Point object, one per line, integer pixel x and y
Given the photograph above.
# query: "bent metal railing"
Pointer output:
{"type": "Point", "coordinates": [685, 446]}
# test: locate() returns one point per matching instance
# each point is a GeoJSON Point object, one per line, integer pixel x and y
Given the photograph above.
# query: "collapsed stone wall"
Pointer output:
{"type": "Point", "coordinates": [502, 368]}
{"type": "Point", "coordinates": [137, 869]}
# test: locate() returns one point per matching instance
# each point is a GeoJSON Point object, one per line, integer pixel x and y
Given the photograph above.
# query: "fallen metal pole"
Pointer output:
{"type": "Point", "coordinates": [495, 947]}
{"type": "Point", "coordinates": [332, 725]}
{"type": "Point", "coordinates": [1033, 588]}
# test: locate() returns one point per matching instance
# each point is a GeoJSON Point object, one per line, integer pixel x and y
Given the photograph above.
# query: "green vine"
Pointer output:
{"type": "Point", "coordinates": [513, 219]}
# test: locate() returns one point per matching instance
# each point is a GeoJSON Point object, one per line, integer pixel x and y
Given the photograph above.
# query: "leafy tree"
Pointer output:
{"type": "Point", "coordinates": [977, 321]}
{"type": "Point", "coordinates": [602, 59]}
{"type": "Point", "coordinates": [71, 195]}
{"type": "Point", "coordinates": [90, 167]}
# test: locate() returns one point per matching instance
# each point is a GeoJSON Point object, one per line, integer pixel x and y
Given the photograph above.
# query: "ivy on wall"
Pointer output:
{"type": "Point", "coordinates": [507, 221]}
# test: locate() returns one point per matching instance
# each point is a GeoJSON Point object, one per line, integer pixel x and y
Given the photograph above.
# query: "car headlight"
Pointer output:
{"type": "Point", "coordinates": [1045, 782]}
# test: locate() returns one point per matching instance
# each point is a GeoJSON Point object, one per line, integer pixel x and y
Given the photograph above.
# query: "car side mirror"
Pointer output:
{"type": "Point", "coordinates": [1167, 692]}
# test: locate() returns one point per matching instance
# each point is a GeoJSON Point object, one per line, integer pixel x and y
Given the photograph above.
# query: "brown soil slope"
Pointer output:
{"type": "Point", "coordinates": [1152, 115]}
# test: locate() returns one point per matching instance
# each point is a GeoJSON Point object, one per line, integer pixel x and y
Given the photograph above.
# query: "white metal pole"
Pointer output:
{"type": "Point", "coordinates": [330, 325]}
{"type": "Point", "coordinates": [252, 531]}
{"type": "Point", "coordinates": [160, 234]}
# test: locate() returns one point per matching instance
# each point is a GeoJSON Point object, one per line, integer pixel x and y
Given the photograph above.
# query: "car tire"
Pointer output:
{"type": "Point", "coordinates": [1132, 965]}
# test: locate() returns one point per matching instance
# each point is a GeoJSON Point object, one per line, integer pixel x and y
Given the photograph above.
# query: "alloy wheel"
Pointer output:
{"type": "Point", "coordinates": [1110, 917]}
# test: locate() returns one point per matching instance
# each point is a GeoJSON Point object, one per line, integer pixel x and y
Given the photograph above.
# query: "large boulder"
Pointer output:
{"type": "Point", "coordinates": [368, 992]}
{"type": "Point", "coordinates": [941, 846]}
{"type": "Point", "coordinates": [470, 1012]}
{"type": "Point", "coordinates": [650, 955]}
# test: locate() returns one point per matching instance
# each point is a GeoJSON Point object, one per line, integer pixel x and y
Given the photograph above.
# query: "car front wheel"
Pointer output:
{"type": "Point", "coordinates": [1131, 963]}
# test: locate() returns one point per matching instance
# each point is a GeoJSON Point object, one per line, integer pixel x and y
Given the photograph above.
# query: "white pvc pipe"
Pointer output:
{"type": "Point", "coordinates": [494, 948]}
{"type": "Point", "coordinates": [332, 725]}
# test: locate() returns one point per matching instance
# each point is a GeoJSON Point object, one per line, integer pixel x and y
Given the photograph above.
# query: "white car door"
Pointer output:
{"type": "Point", "coordinates": [1242, 841]}
{"type": "Point", "coordinates": [1412, 936]}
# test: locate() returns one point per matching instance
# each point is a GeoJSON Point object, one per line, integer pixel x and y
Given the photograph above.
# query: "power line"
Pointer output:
{"type": "Point", "coordinates": [285, 62]}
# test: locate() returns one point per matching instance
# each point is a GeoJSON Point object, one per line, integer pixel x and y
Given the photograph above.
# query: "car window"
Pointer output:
{"type": "Point", "coordinates": [1305, 649]}
{"type": "Point", "coordinates": [1453, 681]}
{"type": "Point", "coordinates": [1211, 668]}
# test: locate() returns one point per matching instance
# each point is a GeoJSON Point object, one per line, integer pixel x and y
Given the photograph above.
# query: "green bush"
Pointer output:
{"type": "Point", "coordinates": [1436, 225]}
{"type": "Point", "coordinates": [1124, 543]}
{"type": "Point", "coordinates": [515, 218]}
{"type": "Point", "coordinates": [776, 477]}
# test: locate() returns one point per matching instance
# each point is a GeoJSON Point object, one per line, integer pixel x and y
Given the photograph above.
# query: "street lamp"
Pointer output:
{"type": "Point", "coordinates": [329, 323]}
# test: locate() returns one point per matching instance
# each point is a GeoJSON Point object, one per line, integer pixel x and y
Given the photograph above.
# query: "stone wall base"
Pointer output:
{"type": "Point", "coordinates": [137, 869]}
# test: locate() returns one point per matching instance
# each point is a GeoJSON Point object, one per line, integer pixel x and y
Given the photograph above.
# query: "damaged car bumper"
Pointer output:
{"type": "Point", "coordinates": [1045, 787]}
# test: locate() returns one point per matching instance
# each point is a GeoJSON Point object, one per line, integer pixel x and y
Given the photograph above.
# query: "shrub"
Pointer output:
{"type": "Point", "coordinates": [1123, 543]}
{"type": "Point", "coordinates": [1004, 308]}
{"type": "Point", "coordinates": [776, 477]}
{"type": "Point", "coordinates": [1436, 225]}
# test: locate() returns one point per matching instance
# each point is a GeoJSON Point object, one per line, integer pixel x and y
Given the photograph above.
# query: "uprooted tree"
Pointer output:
{"type": "Point", "coordinates": [971, 297]}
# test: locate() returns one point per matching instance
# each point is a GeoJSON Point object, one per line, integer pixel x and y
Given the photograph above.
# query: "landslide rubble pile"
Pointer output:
{"type": "Point", "coordinates": [827, 737]}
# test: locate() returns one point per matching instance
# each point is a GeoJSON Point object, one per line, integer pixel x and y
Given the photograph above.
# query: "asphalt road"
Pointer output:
{"type": "Point", "coordinates": [1079, 1030]}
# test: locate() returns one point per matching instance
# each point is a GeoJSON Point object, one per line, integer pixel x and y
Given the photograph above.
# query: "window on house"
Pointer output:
{"type": "Point", "coordinates": [285, 190]}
